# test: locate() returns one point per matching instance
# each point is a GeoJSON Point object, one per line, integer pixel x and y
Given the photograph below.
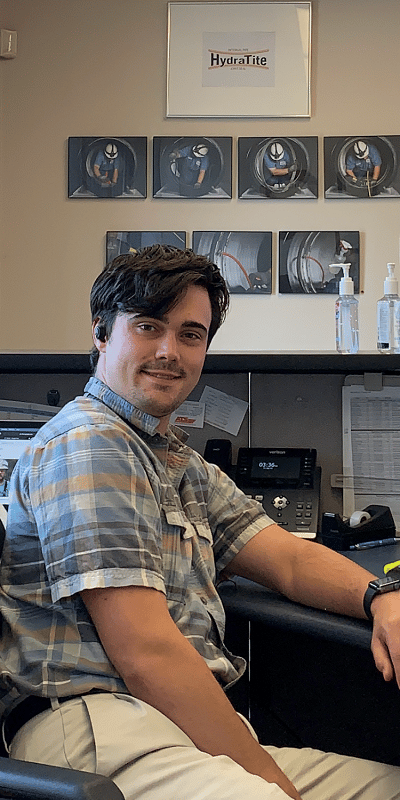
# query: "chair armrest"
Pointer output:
{"type": "Point", "coordinates": [23, 780]}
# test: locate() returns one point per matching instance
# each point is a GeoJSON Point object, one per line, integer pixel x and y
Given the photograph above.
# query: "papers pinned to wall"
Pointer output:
{"type": "Point", "coordinates": [189, 415]}
{"type": "Point", "coordinates": [371, 446]}
{"type": "Point", "coordinates": [222, 410]}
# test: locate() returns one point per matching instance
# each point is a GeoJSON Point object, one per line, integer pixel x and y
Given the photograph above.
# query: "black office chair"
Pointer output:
{"type": "Point", "coordinates": [24, 780]}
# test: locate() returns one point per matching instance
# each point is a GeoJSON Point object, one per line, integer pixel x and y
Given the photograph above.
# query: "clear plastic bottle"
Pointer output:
{"type": "Point", "coordinates": [346, 313]}
{"type": "Point", "coordinates": [388, 315]}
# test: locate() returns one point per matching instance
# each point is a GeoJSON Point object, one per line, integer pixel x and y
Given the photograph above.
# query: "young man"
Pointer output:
{"type": "Point", "coordinates": [117, 535]}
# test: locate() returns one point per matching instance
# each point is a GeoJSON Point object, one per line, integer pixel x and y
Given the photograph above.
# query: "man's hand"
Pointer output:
{"type": "Point", "coordinates": [385, 644]}
{"type": "Point", "coordinates": [162, 668]}
{"type": "Point", "coordinates": [316, 576]}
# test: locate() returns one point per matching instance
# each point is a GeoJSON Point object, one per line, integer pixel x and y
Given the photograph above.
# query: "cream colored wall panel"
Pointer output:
{"type": "Point", "coordinates": [83, 71]}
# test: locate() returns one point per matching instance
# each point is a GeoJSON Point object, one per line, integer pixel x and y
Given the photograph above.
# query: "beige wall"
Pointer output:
{"type": "Point", "coordinates": [91, 67]}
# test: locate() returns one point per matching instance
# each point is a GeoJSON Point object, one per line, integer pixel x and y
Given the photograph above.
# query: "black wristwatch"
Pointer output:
{"type": "Point", "coordinates": [379, 586]}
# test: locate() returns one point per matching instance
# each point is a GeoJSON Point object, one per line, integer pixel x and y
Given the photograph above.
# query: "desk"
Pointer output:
{"type": "Point", "coordinates": [313, 681]}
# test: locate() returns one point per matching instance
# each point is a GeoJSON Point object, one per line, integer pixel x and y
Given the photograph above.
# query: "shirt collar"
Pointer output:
{"type": "Point", "coordinates": [145, 422]}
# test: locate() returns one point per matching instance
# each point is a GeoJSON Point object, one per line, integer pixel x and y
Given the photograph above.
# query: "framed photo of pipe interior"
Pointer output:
{"type": "Point", "coordinates": [310, 262]}
{"type": "Point", "coordinates": [244, 258]}
{"type": "Point", "coordinates": [361, 167]}
{"type": "Point", "coordinates": [278, 167]}
{"type": "Point", "coordinates": [104, 166]}
{"type": "Point", "coordinates": [192, 167]}
{"type": "Point", "coordinates": [120, 242]}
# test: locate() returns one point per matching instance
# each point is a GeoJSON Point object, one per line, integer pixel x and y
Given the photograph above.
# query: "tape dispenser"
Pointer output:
{"type": "Point", "coordinates": [373, 522]}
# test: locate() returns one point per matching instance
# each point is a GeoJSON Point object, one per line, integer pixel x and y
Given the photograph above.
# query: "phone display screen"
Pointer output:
{"type": "Point", "coordinates": [272, 468]}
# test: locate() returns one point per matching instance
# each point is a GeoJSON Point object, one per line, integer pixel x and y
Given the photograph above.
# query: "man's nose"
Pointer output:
{"type": "Point", "coordinates": [167, 346]}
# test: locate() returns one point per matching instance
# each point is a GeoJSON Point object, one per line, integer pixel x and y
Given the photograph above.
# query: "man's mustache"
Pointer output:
{"type": "Point", "coordinates": [164, 366]}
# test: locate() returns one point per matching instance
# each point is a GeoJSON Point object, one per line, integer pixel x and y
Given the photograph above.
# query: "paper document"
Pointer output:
{"type": "Point", "coordinates": [189, 415]}
{"type": "Point", "coordinates": [222, 410]}
{"type": "Point", "coordinates": [371, 448]}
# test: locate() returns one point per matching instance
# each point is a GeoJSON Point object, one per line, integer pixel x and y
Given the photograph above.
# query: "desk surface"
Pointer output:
{"type": "Point", "coordinates": [313, 682]}
{"type": "Point", "coordinates": [375, 558]}
{"type": "Point", "coordinates": [256, 603]}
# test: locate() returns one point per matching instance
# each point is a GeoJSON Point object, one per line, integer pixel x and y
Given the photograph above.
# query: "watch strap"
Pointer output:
{"type": "Point", "coordinates": [379, 586]}
{"type": "Point", "coordinates": [370, 593]}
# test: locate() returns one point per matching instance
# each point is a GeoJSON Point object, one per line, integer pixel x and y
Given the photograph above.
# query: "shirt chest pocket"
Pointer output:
{"type": "Point", "coordinates": [187, 553]}
{"type": "Point", "coordinates": [178, 535]}
{"type": "Point", "coordinates": [203, 563]}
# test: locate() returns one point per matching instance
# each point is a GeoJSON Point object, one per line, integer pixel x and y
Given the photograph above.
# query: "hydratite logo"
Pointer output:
{"type": "Point", "coordinates": [238, 59]}
{"type": "Point", "coordinates": [221, 59]}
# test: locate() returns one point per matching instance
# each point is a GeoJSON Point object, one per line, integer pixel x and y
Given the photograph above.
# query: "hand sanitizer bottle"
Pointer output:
{"type": "Point", "coordinates": [346, 312]}
{"type": "Point", "coordinates": [388, 315]}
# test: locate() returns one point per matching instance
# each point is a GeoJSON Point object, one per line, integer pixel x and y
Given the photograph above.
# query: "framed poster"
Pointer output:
{"type": "Point", "coordinates": [361, 166]}
{"type": "Point", "coordinates": [192, 167]}
{"type": "Point", "coordinates": [120, 242]}
{"type": "Point", "coordinates": [239, 59]}
{"type": "Point", "coordinates": [278, 167]}
{"type": "Point", "coordinates": [107, 166]}
{"type": "Point", "coordinates": [244, 258]}
{"type": "Point", "coordinates": [310, 262]}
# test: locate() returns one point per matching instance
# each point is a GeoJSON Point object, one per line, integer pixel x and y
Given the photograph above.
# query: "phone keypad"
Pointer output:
{"type": "Point", "coordinates": [299, 516]}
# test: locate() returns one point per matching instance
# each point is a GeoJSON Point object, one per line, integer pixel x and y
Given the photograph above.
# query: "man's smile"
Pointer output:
{"type": "Point", "coordinates": [163, 373]}
{"type": "Point", "coordinates": [166, 376]}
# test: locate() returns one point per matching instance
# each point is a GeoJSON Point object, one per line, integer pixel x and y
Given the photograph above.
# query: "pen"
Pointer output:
{"type": "Point", "coordinates": [378, 543]}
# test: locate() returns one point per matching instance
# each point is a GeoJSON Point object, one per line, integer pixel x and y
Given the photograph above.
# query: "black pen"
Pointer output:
{"type": "Point", "coordinates": [378, 543]}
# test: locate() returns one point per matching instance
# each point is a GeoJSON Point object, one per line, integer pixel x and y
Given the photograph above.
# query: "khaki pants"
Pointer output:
{"type": "Point", "coordinates": [150, 758]}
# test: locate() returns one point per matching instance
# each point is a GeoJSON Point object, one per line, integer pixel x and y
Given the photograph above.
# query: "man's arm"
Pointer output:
{"type": "Point", "coordinates": [279, 170]}
{"type": "Point", "coordinates": [162, 668]}
{"type": "Point", "coordinates": [200, 177]}
{"type": "Point", "coordinates": [314, 575]}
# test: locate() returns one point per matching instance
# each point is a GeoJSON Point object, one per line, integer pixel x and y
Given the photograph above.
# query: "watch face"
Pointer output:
{"type": "Point", "coordinates": [386, 584]}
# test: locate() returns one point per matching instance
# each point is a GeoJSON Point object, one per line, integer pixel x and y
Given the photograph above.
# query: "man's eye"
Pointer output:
{"type": "Point", "coordinates": [146, 326]}
{"type": "Point", "coordinates": [193, 336]}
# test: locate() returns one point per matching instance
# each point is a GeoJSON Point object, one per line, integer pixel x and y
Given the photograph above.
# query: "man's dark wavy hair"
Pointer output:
{"type": "Point", "coordinates": [152, 282]}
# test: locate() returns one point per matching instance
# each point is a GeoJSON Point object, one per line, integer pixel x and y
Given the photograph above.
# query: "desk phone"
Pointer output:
{"type": "Point", "coordinates": [286, 481]}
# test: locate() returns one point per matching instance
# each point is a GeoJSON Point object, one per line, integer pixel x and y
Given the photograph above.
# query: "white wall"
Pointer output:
{"type": "Point", "coordinates": [91, 67]}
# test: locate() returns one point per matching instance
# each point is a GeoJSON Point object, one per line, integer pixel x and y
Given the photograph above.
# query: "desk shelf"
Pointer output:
{"type": "Point", "coordinates": [216, 362]}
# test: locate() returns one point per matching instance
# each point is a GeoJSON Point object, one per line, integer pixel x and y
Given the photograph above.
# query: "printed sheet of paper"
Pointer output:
{"type": "Point", "coordinates": [371, 448]}
{"type": "Point", "coordinates": [189, 415]}
{"type": "Point", "coordinates": [222, 410]}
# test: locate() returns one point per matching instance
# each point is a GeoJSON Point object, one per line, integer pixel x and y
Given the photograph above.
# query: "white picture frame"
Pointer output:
{"type": "Point", "coordinates": [241, 59]}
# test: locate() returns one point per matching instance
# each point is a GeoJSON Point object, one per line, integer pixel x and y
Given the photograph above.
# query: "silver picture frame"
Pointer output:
{"type": "Point", "coordinates": [241, 59]}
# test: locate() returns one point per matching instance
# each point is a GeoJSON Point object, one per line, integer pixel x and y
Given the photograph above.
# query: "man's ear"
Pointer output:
{"type": "Point", "coordinates": [99, 334]}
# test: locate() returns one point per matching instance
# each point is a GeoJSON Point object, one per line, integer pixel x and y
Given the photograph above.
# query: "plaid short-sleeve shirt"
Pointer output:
{"type": "Point", "coordinates": [99, 498]}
